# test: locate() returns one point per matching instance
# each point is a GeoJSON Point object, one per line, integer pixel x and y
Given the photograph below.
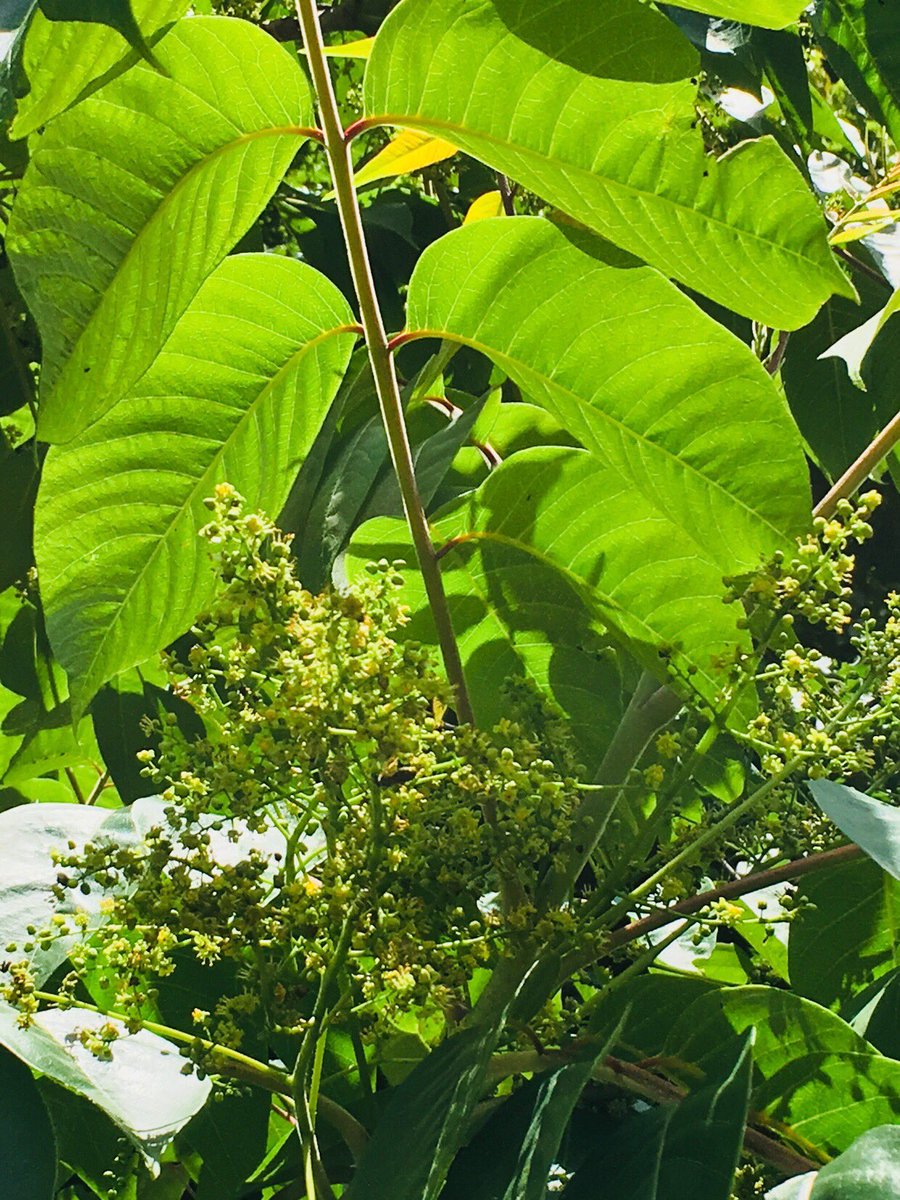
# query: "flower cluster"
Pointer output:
{"type": "Point", "coordinates": [333, 827]}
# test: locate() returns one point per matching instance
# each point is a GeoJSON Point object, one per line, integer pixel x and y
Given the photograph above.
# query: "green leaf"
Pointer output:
{"type": "Point", "coordinates": [868, 1170]}
{"type": "Point", "coordinates": [602, 126]}
{"type": "Point", "coordinates": [27, 1143]}
{"type": "Point", "coordinates": [772, 14]}
{"type": "Point", "coordinates": [883, 1026]}
{"type": "Point", "coordinates": [835, 416]}
{"type": "Point", "coordinates": [511, 1156]}
{"type": "Point", "coordinates": [804, 1057]}
{"type": "Point", "coordinates": [119, 713]}
{"type": "Point", "coordinates": [690, 1149]}
{"type": "Point", "coordinates": [181, 164]}
{"type": "Point", "coordinates": [419, 1131]}
{"type": "Point", "coordinates": [516, 611]}
{"type": "Point", "coordinates": [238, 393]}
{"type": "Point", "coordinates": [862, 41]}
{"type": "Point", "coordinates": [850, 938]}
{"type": "Point", "coordinates": [648, 383]}
{"type": "Point", "coordinates": [230, 1136]}
{"type": "Point", "coordinates": [873, 825]}
{"type": "Point", "coordinates": [27, 874]}
{"type": "Point", "coordinates": [19, 474]}
{"type": "Point", "coordinates": [638, 534]}
{"type": "Point", "coordinates": [63, 55]}
{"type": "Point", "coordinates": [141, 1087]}
{"type": "Point", "coordinates": [87, 1140]}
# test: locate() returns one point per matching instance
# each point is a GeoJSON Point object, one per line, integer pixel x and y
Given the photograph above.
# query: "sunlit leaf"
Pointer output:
{"type": "Point", "coordinates": [181, 164]}
{"type": "Point", "coordinates": [603, 126]}
{"type": "Point", "coordinates": [238, 393]}
{"type": "Point", "coordinates": [408, 152]}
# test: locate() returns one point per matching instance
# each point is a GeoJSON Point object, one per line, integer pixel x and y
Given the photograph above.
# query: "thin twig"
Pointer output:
{"type": "Point", "coordinates": [643, 1083]}
{"type": "Point", "coordinates": [858, 472]}
{"type": "Point", "coordinates": [776, 358]}
{"type": "Point", "coordinates": [862, 267]}
{"type": "Point", "coordinates": [731, 891]}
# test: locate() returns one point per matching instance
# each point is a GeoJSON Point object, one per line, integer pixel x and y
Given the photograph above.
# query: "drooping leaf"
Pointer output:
{"type": "Point", "coordinates": [27, 1143]}
{"type": "Point", "coordinates": [862, 41]}
{"type": "Point", "coordinates": [71, 44]}
{"type": "Point", "coordinates": [140, 1087]}
{"type": "Point", "coordinates": [238, 393]}
{"type": "Point", "coordinates": [672, 1152]}
{"type": "Point", "coordinates": [181, 164]}
{"type": "Point", "coordinates": [420, 1129]}
{"type": "Point", "coordinates": [804, 1057]}
{"type": "Point", "coordinates": [744, 230]}
{"type": "Point", "coordinates": [846, 936]}
{"type": "Point", "coordinates": [409, 151]}
{"type": "Point", "coordinates": [873, 825]}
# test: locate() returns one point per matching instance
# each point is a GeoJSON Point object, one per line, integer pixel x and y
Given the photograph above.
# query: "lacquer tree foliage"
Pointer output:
{"type": "Point", "coordinates": [449, 617]}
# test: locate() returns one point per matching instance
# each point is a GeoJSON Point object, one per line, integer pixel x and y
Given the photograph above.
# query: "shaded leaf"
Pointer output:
{"type": "Point", "coordinates": [19, 474]}
{"type": "Point", "coordinates": [773, 14]}
{"type": "Point", "coordinates": [63, 55]}
{"type": "Point", "coordinates": [511, 1156]}
{"type": "Point", "coordinates": [567, 125]}
{"type": "Point", "coordinates": [862, 41]}
{"type": "Point", "coordinates": [873, 825]}
{"type": "Point", "coordinates": [158, 207]}
{"type": "Point", "coordinates": [238, 393]}
{"type": "Point", "coordinates": [421, 1127]}
{"type": "Point", "coordinates": [850, 937]}
{"type": "Point", "coordinates": [230, 1136]}
{"type": "Point", "coordinates": [804, 1056]}
{"type": "Point", "coordinates": [689, 1149]}
{"type": "Point", "coordinates": [27, 1142]}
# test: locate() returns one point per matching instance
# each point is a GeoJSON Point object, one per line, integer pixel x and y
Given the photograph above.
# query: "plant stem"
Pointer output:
{"type": "Point", "coordinates": [643, 1083]}
{"type": "Point", "coordinates": [857, 473]}
{"type": "Point", "coordinates": [383, 371]}
{"type": "Point", "coordinates": [730, 891]}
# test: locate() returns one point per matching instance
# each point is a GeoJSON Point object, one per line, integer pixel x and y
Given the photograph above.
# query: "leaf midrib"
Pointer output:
{"type": "Point", "coordinates": [503, 358]}
{"type": "Point", "coordinates": [424, 124]}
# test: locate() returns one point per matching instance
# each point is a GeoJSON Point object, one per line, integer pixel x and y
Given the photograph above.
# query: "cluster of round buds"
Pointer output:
{"type": "Point", "coordinates": [329, 736]}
